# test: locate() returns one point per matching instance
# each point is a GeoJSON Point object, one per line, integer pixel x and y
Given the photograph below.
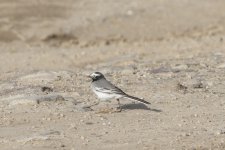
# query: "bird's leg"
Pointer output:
{"type": "Point", "coordinates": [118, 100]}
{"type": "Point", "coordinates": [111, 110]}
{"type": "Point", "coordinates": [107, 106]}
{"type": "Point", "coordinates": [89, 106]}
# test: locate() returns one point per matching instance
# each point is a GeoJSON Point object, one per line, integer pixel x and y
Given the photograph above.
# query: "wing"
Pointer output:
{"type": "Point", "coordinates": [111, 90]}
{"type": "Point", "coordinates": [106, 87]}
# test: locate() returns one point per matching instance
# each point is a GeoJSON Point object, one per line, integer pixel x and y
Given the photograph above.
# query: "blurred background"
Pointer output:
{"type": "Point", "coordinates": [169, 52]}
{"type": "Point", "coordinates": [69, 34]}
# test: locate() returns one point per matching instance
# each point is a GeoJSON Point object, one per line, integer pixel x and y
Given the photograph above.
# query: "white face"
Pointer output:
{"type": "Point", "coordinates": [96, 75]}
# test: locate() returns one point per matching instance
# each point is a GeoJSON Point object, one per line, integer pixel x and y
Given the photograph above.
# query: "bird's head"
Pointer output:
{"type": "Point", "coordinates": [96, 76]}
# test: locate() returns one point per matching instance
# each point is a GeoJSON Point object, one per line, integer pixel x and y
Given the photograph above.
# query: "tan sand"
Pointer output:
{"type": "Point", "coordinates": [172, 53]}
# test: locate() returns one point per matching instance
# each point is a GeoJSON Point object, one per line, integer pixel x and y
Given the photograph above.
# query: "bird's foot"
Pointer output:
{"type": "Point", "coordinates": [118, 109]}
{"type": "Point", "coordinates": [108, 110]}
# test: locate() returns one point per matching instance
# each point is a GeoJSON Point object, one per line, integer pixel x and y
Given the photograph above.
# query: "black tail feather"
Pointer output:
{"type": "Point", "coordinates": [137, 99]}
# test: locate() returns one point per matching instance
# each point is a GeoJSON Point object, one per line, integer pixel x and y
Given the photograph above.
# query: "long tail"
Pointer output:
{"type": "Point", "coordinates": [137, 99]}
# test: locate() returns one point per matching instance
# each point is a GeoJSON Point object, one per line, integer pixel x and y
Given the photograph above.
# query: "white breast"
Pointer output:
{"type": "Point", "coordinates": [106, 96]}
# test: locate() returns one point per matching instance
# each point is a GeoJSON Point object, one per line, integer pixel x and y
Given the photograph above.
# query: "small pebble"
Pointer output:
{"type": "Point", "coordinates": [62, 145]}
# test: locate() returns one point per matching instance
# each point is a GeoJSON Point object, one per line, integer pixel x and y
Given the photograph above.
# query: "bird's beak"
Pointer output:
{"type": "Point", "coordinates": [88, 78]}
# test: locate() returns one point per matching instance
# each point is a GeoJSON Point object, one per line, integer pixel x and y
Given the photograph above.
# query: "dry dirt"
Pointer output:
{"type": "Point", "coordinates": [171, 53]}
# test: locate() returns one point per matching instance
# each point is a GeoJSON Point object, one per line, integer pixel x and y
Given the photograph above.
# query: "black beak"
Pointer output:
{"type": "Point", "coordinates": [89, 76]}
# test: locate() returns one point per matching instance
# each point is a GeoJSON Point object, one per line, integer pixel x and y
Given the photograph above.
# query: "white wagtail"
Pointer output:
{"type": "Point", "coordinates": [107, 91]}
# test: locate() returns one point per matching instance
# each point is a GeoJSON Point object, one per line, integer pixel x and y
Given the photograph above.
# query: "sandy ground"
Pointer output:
{"type": "Point", "coordinates": [172, 53]}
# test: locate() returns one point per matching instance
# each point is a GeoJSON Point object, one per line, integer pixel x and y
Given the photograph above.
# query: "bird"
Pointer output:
{"type": "Point", "coordinates": [105, 90]}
